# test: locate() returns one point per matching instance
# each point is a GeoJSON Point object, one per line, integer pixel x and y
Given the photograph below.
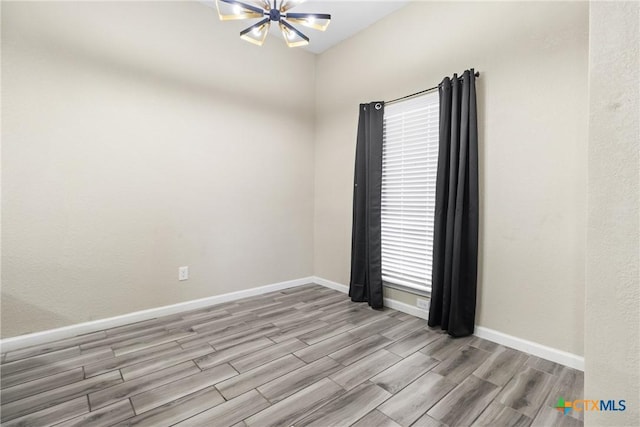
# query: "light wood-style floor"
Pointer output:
{"type": "Point", "coordinates": [303, 356]}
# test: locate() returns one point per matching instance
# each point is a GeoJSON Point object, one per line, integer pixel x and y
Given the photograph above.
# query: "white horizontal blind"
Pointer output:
{"type": "Point", "coordinates": [409, 165]}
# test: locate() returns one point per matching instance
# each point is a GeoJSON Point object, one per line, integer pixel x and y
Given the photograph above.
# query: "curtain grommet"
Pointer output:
{"type": "Point", "coordinates": [378, 106]}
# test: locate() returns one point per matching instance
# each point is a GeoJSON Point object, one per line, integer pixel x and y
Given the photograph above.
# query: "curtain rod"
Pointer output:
{"type": "Point", "coordinates": [477, 74]}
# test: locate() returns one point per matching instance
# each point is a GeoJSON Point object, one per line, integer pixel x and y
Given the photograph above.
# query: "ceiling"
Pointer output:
{"type": "Point", "coordinates": [347, 19]}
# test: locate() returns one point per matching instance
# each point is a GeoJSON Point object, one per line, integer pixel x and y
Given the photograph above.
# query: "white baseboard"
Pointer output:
{"type": "Point", "coordinates": [388, 302]}
{"type": "Point", "coordinates": [332, 285]}
{"type": "Point", "coordinates": [562, 357]}
{"type": "Point", "coordinates": [22, 341]}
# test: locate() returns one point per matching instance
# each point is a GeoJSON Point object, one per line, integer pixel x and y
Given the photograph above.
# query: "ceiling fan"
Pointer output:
{"type": "Point", "coordinates": [270, 11]}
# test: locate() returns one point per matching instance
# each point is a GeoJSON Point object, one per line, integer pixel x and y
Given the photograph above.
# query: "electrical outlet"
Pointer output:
{"type": "Point", "coordinates": [422, 303]}
{"type": "Point", "coordinates": [183, 273]}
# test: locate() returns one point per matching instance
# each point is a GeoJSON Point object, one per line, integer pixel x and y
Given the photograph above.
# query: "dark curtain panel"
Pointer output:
{"type": "Point", "coordinates": [455, 244]}
{"type": "Point", "coordinates": [366, 254]}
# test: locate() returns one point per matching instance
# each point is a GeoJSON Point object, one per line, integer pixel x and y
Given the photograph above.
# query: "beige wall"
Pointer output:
{"type": "Point", "coordinates": [612, 316]}
{"type": "Point", "coordinates": [139, 137]}
{"type": "Point", "coordinates": [533, 147]}
{"type": "Point", "coordinates": [98, 97]}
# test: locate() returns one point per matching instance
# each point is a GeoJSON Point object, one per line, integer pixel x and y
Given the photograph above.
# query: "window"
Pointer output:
{"type": "Point", "coordinates": [409, 165]}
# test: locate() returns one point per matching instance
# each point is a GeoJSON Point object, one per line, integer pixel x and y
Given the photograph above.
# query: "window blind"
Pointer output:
{"type": "Point", "coordinates": [409, 166]}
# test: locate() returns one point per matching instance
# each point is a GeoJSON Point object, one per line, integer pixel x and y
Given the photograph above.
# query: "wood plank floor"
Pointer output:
{"type": "Point", "coordinates": [305, 356]}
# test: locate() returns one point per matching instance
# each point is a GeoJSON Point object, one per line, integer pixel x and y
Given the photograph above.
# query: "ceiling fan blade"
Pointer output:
{"type": "Point", "coordinates": [265, 4]}
{"type": "Point", "coordinates": [233, 9]}
{"type": "Point", "coordinates": [317, 21]}
{"type": "Point", "coordinates": [292, 36]}
{"type": "Point", "coordinates": [256, 33]}
{"type": "Point", "coordinates": [290, 4]}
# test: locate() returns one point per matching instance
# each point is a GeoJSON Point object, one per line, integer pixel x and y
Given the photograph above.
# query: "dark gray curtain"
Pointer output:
{"type": "Point", "coordinates": [455, 244]}
{"type": "Point", "coordinates": [366, 253]}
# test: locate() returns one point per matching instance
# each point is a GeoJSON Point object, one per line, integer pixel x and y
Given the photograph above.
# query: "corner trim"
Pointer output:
{"type": "Point", "coordinates": [36, 338]}
{"type": "Point", "coordinates": [549, 353]}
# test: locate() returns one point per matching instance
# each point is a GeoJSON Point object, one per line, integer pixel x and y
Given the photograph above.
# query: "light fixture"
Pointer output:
{"type": "Point", "coordinates": [271, 11]}
{"type": "Point", "coordinates": [257, 32]}
{"type": "Point", "coordinates": [292, 36]}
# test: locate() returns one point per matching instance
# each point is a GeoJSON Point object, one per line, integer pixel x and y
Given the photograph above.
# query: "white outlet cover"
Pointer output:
{"type": "Point", "coordinates": [183, 273]}
{"type": "Point", "coordinates": [422, 303]}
